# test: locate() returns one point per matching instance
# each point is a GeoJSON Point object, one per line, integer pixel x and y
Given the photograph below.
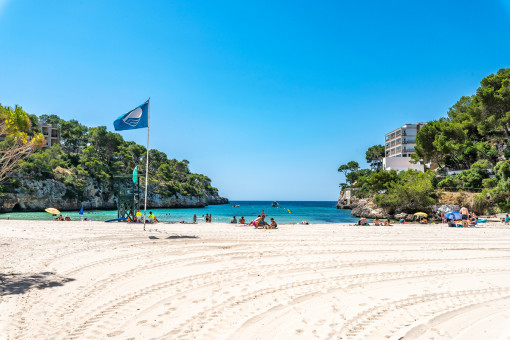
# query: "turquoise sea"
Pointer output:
{"type": "Point", "coordinates": [311, 211]}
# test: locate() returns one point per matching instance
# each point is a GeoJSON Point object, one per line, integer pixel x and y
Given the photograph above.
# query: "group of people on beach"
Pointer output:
{"type": "Point", "coordinates": [377, 222]}
{"type": "Point", "coordinates": [468, 219]}
{"type": "Point", "coordinates": [259, 222]}
{"type": "Point", "coordinates": [61, 218]}
{"type": "Point", "coordinates": [138, 217]}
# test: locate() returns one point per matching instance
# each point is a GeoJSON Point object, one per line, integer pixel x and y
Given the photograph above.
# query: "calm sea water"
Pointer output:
{"type": "Point", "coordinates": [288, 212]}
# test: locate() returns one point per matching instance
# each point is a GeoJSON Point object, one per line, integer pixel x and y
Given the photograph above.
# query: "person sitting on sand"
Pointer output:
{"type": "Point", "coordinates": [262, 223]}
{"type": "Point", "coordinates": [233, 220]}
{"type": "Point", "coordinates": [377, 221]}
{"type": "Point", "coordinates": [256, 221]}
{"type": "Point", "coordinates": [424, 221]}
{"type": "Point", "coordinates": [363, 221]}
{"type": "Point", "coordinates": [402, 221]}
{"type": "Point", "coordinates": [67, 218]}
{"type": "Point", "coordinates": [241, 220]}
{"type": "Point", "coordinates": [305, 222]}
{"type": "Point", "coordinates": [139, 216]}
{"type": "Point", "coordinates": [152, 218]}
{"type": "Point", "coordinates": [387, 222]}
{"type": "Point", "coordinates": [474, 218]}
{"type": "Point", "coordinates": [273, 224]}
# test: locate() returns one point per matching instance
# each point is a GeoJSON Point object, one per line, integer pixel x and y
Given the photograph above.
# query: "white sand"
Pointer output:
{"type": "Point", "coordinates": [91, 280]}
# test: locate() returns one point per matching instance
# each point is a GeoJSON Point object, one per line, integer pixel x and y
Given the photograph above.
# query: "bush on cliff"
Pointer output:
{"type": "Point", "coordinates": [412, 191]}
{"type": "Point", "coordinates": [96, 154]}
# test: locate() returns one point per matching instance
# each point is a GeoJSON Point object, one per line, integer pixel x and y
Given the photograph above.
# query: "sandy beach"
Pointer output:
{"type": "Point", "coordinates": [92, 280]}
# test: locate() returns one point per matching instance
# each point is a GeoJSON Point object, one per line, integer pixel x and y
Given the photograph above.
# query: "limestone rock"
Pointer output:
{"type": "Point", "coordinates": [36, 195]}
{"type": "Point", "coordinates": [366, 208]}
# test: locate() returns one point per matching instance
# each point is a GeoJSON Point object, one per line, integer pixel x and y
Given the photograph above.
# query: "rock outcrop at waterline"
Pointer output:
{"type": "Point", "coordinates": [367, 208]}
{"type": "Point", "coordinates": [36, 195]}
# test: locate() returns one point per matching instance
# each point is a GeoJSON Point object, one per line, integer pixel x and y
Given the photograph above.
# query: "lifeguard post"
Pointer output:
{"type": "Point", "coordinates": [128, 194]}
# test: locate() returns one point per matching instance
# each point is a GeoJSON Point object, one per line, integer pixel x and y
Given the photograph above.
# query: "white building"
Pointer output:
{"type": "Point", "coordinates": [399, 146]}
{"type": "Point", "coordinates": [50, 132]}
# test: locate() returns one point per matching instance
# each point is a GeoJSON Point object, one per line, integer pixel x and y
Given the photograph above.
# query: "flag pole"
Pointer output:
{"type": "Point", "coordinates": [147, 164]}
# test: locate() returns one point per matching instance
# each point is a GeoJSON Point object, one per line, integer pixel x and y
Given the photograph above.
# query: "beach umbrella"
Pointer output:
{"type": "Point", "coordinates": [52, 211]}
{"type": "Point", "coordinates": [420, 214]}
{"type": "Point", "coordinates": [454, 215]}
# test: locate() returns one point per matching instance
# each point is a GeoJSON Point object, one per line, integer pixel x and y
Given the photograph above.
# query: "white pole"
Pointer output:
{"type": "Point", "coordinates": [147, 164]}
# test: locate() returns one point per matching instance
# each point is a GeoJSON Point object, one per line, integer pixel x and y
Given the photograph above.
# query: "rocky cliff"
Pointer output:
{"type": "Point", "coordinates": [36, 195]}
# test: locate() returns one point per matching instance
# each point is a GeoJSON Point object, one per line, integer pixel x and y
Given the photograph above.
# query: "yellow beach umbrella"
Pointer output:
{"type": "Point", "coordinates": [52, 211]}
{"type": "Point", "coordinates": [420, 214]}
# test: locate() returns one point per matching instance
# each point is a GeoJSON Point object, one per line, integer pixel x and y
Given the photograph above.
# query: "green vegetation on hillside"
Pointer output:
{"type": "Point", "coordinates": [472, 141]}
{"type": "Point", "coordinates": [94, 153]}
{"type": "Point", "coordinates": [19, 139]}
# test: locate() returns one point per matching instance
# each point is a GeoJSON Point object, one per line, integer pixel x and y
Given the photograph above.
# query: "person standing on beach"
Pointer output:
{"type": "Point", "coordinates": [210, 218]}
{"type": "Point", "coordinates": [194, 218]}
{"type": "Point", "coordinates": [465, 215]}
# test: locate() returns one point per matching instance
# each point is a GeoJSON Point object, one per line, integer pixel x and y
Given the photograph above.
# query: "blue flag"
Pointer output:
{"type": "Point", "coordinates": [81, 210]}
{"type": "Point", "coordinates": [134, 119]}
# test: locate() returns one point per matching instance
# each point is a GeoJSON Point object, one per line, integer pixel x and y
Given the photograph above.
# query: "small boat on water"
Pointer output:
{"type": "Point", "coordinates": [236, 206]}
{"type": "Point", "coordinates": [275, 204]}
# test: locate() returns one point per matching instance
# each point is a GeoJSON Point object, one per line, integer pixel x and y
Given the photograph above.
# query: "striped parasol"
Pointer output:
{"type": "Point", "coordinates": [52, 211]}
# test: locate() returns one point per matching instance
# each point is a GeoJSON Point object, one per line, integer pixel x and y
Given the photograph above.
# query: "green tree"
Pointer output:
{"type": "Point", "coordinates": [374, 156]}
{"type": "Point", "coordinates": [494, 94]}
{"type": "Point", "coordinates": [18, 144]}
{"type": "Point", "coordinates": [72, 135]}
{"type": "Point", "coordinates": [413, 191]}
{"type": "Point", "coordinates": [348, 168]}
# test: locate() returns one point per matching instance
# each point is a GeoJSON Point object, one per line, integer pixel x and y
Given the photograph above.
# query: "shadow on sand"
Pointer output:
{"type": "Point", "coordinates": [173, 237]}
{"type": "Point", "coordinates": [17, 283]}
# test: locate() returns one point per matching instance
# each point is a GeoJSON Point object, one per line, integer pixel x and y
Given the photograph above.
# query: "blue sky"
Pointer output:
{"type": "Point", "coordinates": [266, 98]}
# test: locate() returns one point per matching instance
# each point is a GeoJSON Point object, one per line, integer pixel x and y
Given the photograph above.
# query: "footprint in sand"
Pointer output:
{"type": "Point", "coordinates": [116, 333]}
